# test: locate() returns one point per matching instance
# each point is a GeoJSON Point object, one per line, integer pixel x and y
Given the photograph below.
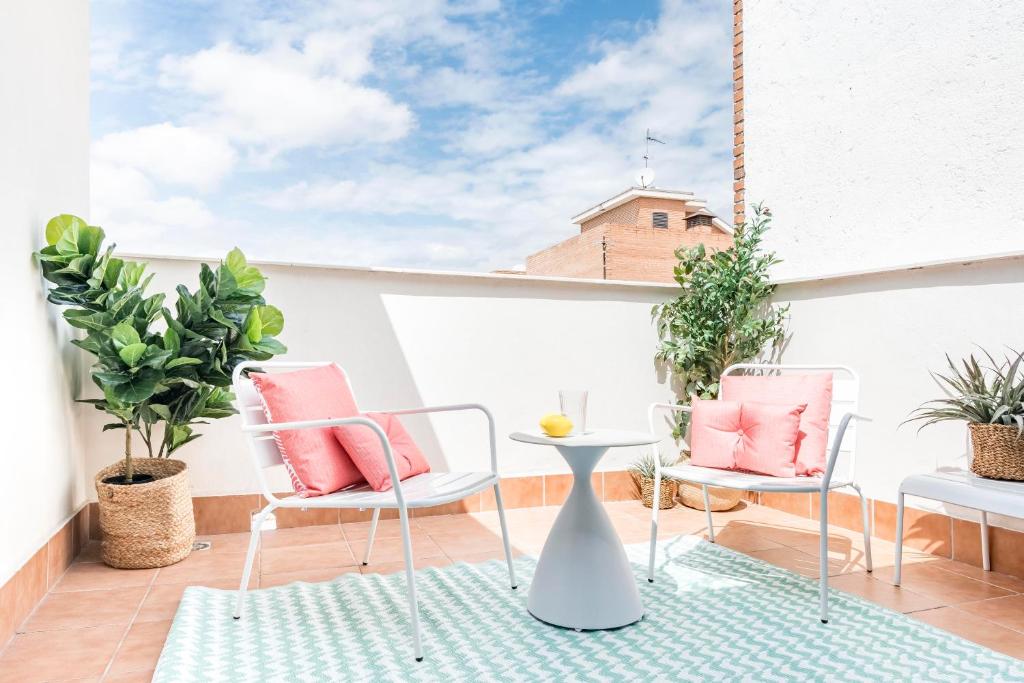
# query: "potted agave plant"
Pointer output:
{"type": "Point", "coordinates": [160, 373]}
{"type": "Point", "coordinates": [990, 398]}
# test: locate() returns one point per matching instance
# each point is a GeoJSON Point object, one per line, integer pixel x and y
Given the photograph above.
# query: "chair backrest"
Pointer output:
{"type": "Point", "coordinates": [845, 399]}
{"type": "Point", "coordinates": [263, 446]}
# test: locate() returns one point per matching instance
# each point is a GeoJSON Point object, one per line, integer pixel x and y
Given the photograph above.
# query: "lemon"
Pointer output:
{"type": "Point", "coordinates": [556, 424]}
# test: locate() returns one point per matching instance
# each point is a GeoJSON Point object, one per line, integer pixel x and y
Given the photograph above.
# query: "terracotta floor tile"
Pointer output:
{"type": "Point", "coordinates": [1010, 583]}
{"type": "Point", "coordinates": [59, 655]}
{"type": "Point", "coordinates": [392, 567]}
{"type": "Point", "coordinates": [387, 550]}
{"type": "Point", "coordinates": [975, 628]}
{"type": "Point", "coordinates": [313, 556]}
{"type": "Point", "coordinates": [742, 538]}
{"type": "Point", "coordinates": [225, 543]}
{"type": "Point", "coordinates": [947, 586]}
{"type": "Point", "coordinates": [798, 562]}
{"type": "Point", "coordinates": [206, 566]}
{"type": "Point", "coordinates": [305, 535]}
{"type": "Point", "coordinates": [883, 593]}
{"type": "Point", "coordinates": [456, 545]}
{"type": "Point", "coordinates": [444, 524]}
{"type": "Point", "coordinates": [485, 556]}
{"type": "Point", "coordinates": [162, 600]}
{"type": "Point", "coordinates": [90, 576]}
{"type": "Point", "coordinates": [1008, 611]}
{"type": "Point", "coordinates": [81, 609]}
{"type": "Point", "coordinates": [306, 576]}
{"type": "Point", "coordinates": [390, 528]}
{"type": "Point", "coordinates": [141, 648]}
{"type": "Point", "coordinates": [130, 677]}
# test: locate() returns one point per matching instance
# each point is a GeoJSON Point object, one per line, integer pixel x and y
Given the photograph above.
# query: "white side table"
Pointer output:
{"type": "Point", "coordinates": [960, 487]}
{"type": "Point", "coordinates": [583, 578]}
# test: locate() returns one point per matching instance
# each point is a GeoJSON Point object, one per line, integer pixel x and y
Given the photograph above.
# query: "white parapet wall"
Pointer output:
{"type": "Point", "coordinates": [44, 170]}
{"type": "Point", "coordinates": [414, 338]}
{"type": "Point", "coordinates": [884, 133]}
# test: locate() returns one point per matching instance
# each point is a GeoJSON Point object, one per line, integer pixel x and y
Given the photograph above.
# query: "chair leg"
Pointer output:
{"type": "Point", "coordinates": [707, 508]}
{"type": "Point", "coordinates": [654, 525]}
{"type": "Point", "coordinates": [866, 523]}
{"type": "Point", "coordinates": [823, 557]}
{"type": "Point", "coordinates": [505, 537]}
{"type": "Point", "coordinates": [410, 580]}
{"type": "Point", "coordinates": [254, 541]}
{"type": "Point", "coordinates": [899, 540]}
{"type": "Point", "coordinates": [371, 536]}
{"type": "Point", "coordinates": [986, 560]}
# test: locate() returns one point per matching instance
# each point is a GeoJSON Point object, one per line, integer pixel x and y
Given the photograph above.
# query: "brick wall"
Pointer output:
{"type": "Point", "coordinates": [624, 252]}
{"type": "Point", "coordinates": [625, 214]}
{"type": "Point", "coordinates": [648, 254]}
{"type": "Point", "coordinates": [581, 256]}
{"type": "Point", "coordinates": [737, 97]}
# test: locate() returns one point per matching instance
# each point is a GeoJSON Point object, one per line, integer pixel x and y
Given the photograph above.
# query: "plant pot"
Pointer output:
{"type": "Point", "coordinates": [692, 496]}
{"type": "Point", "coordinates": [998, 451]}
{"type": "Point", "coordinates": [146, 525]}
{"type": "Point", "coordinates": [666, 497]}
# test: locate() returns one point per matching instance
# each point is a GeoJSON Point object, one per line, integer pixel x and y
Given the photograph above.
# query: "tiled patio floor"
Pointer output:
{"type": "Point", "coordinates": [103, 624]}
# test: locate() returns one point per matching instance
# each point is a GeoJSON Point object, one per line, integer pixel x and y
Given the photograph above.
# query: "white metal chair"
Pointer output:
{"type": "Point", "coordinates": [424, 490]}
{"type": "Point", "coordinates": [842, 442]}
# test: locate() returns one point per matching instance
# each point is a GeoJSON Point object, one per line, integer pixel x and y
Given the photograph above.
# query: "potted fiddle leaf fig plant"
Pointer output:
{"type": "Point", "coordinates": [158, 384]}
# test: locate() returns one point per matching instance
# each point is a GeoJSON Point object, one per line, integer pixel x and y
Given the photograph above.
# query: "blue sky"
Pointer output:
{"type": "Point", "coordinates": [411, 133]}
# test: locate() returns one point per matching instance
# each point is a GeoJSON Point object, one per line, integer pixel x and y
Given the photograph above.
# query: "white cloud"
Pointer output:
{"type": "Point", "coordinates": [179, 155]}
{"type": "Point", "coordinates": [283, 98]}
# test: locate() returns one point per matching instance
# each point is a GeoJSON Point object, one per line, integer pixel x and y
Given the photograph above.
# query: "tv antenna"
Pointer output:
{"type": "Point", "coordinates": [645, 178]}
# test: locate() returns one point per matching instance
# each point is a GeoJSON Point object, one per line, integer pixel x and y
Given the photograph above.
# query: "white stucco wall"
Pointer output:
{"type": "Point", "coordinates": [884, 134]}
{"type": "Point", "coordinates": [410, 339]}
{"type": "Point", "coordinates": [44, 170]}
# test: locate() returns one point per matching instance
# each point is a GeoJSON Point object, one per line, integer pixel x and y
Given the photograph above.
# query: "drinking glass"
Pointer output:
{"type": "Point", "coordinates": [574, 406]}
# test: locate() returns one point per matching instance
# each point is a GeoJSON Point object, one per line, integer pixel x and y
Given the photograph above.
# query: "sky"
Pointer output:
{"type": "Point", "coordinates": [458, 135]}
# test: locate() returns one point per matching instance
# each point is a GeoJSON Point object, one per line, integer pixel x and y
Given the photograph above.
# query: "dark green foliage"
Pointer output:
{"type": "Point", "coordinates": [177, 377]}
{"type": "Point", "coordinates": [992, 394]}
{"type": "Point", "coordinates": [724, 313]}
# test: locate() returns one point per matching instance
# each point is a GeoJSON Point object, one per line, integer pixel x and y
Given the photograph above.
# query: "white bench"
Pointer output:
{"type": "Point", "coordinates": [960, 487]}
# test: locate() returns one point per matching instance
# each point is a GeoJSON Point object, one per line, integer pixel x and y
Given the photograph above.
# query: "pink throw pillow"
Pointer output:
{"type": "Point", "coordinates": [813, 390]}
{"type": "Point", "coordinates": [316, 462]}
{"type": "Point", "coordinates": [756, 437]}
{"type": "Point", "coordinates": [364, 447]}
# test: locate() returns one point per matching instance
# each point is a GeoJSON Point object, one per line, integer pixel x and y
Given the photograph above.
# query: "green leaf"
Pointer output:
{"type": "Point", "coordinates": [131, 353]}
{"type": "Point", "coordinates": [273, 320]}
{"type": "Point", "coordinates": [56, 226]}
{"type": "Point", "coordinates": [172, 342]}
{"type": "Point", "coordinates": [124, 335]}
{"type": "Point", "coordinates": [254, 326]}
{"type": "Point", "coordinates": [246, 277]}
{"type": "Point", "coordinates": [183, 360]}
{"type": "Point", "coordinates": [161, 410]}
{"type": "Point", "coordinates": [137, 389]}
{"type": "Point", "coordinates": [271, 346]}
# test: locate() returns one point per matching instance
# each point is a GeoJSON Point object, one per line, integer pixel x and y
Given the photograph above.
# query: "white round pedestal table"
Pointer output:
{"type": "Point", "coordinates": [583, 578]}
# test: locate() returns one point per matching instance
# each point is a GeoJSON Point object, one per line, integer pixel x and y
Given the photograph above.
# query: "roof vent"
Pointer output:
{"type": "Point", "coordinates": [699, 219]}
{"type": "Point", "coordinates": [659, 219]}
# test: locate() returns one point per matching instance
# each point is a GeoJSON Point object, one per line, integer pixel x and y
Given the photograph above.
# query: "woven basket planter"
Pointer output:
{"type": "Point", "coordinates": [146, 525]}
{"type": "Point", "coordinates": [692, 496]}
{"type": "Point", "coordinates": [666, 497]}
{"type": "Point", "coordinates": [998, 451]}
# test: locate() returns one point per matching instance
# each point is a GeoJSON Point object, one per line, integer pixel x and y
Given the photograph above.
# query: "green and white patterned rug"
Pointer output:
{"type": "Point", "coordinates": [714, 614]}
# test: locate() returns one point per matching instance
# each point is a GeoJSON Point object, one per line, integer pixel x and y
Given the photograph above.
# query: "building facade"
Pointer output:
{"type": "Point", "coordinates": [633, 236]}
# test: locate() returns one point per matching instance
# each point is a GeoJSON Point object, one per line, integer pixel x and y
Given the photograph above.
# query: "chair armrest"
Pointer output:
{"type": "Point", "coordinates": [335, 422]}
{"type": "Point", "coordinates": [836, 444]}
{"type": "Point", "coordinates": [651, 409]}
{"type": "Point", "coordinates": [493, 439]}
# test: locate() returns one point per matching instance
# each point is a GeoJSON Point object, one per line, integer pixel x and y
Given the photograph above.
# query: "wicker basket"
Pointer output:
{"type": "Point", "coordinates": [667, 495]}
{"type": "Point", "coordinates": [146, 525]}
{"type": "Point", "coordinates": [692, 496]}
{"type": "Point", "coordinates": [998, 451]}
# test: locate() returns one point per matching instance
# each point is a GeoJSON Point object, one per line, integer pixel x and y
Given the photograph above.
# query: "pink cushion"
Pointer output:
{"type": "Point", "coordinates": [756, 437]}
{"type": "Point", "coordinates": [315, 460]}
{"type": "Point", "coordinates": [813, 390]}
{"type": "Point", "coordinates": [364, 447]}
